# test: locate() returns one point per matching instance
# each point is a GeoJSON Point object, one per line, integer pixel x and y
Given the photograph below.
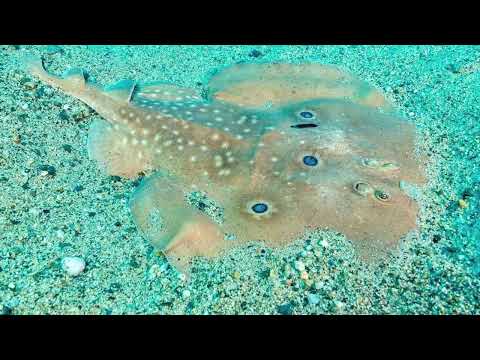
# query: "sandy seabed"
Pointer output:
{"type": "Point", "coordinates": [55, 202]}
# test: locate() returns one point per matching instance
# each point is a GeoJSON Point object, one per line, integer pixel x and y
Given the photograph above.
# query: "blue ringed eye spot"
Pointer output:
{"type": "Point", "coordinates": [307, 114]}
{"type": "Point", "coordinates": [310, 160]}
{"type": "Point", "coordinates": [259, 208]}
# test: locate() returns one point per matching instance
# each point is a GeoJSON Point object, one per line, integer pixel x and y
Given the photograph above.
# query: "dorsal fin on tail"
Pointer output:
{"type": "Point", "coordinates": [122, 90]}
{"type": "Point", "coordinates": [76, 76]}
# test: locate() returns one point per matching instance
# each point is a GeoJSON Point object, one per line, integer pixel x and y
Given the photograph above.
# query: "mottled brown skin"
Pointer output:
{"type": "Point", "coordinates": [242, 153]}
{"type": "Point", "coordinates": [274, 85]}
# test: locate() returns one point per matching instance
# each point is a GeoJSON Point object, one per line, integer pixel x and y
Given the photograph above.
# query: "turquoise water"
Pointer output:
{"type": "Point", "coordinates": [58, 203]}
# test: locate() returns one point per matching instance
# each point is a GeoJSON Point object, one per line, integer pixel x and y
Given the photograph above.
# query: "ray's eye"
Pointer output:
{"type": "Point", "coordinates": [259, 208]}
{"type": "Point", "coordinates": [306, 114]}
{"type": "Point", "coordinates": [382, 195]}
{"type": "Point", "coordinates": [310, 160]}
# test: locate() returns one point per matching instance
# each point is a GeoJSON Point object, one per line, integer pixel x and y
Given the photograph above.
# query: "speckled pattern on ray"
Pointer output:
{"type": "Point", "coordinates": [282, 148]}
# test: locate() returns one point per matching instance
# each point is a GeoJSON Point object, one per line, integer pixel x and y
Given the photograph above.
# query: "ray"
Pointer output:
{"type": "Point", "coordinates": [283, 148]}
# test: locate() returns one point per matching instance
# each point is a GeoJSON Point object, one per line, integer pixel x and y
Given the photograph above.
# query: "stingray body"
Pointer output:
{"type": "Point", "coordinates": [281, 147]}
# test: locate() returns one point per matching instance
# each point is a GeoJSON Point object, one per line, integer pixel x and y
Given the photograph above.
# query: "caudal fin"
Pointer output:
{"type": "Point", "coordinates": [72, 80]}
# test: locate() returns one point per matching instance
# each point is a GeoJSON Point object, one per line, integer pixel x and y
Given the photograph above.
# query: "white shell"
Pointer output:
{"type": "Point", "coordinates": [73, 265]}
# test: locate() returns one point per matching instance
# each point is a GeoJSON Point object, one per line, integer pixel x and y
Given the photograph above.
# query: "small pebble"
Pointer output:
{"type": "Point", "coordinates": [313, 299]}
{"type": "Point", "coordinates": [339, 305]}
{"type": "Point", "coordinates": [304, 275]}
{"type": "Point", "coordinates": [285, 309]}
{"type": "Point", "coordinates": [73, 265]}
{"type": "Point", "coordinates": [462, 203]}
{"type": "Point", "coordinates": [63, 115]}
{"type": "Point", "coordinates": [272, 274]}
{"type": "Point", "coordinates": [324, 243]}
{"type": "Point", "coordinates": [6, 310]}
{"type": "Point", "coordinates": [300, 266]}
{"type": "Point", "coordinates": [163, 267]}
{"type": "Point", "coordinates": [67, 147]}
{"type": "Point", "coordinates": [34, 212]}
{"type": "Point", "coordinates": [30, 85]}
{"type": "Point", "coordinates": [255, 53]}
{"type": "Point", "coordinates": [47, 170]}
{"type": "Point", "coordinates": [186, 294]}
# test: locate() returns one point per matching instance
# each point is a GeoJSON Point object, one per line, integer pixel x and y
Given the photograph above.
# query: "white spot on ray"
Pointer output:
{"type": "Point", "coordinates": [224, 172]}
{"type": "Point", "coordinates": [218, 160]}
{"type": "Point", "coordinates": [241, 120]}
